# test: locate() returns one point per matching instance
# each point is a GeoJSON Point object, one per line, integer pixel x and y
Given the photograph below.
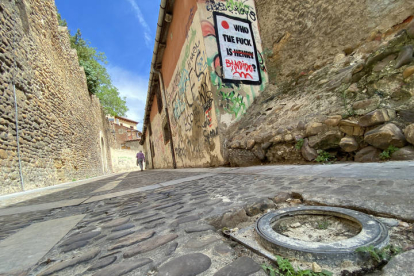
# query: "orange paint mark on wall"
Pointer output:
{"type": "Point", "coordinates": [177, 34]}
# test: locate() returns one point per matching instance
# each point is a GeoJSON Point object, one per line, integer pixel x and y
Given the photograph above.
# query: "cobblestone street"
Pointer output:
{"type": "Point", "coordinates": [169, 222]}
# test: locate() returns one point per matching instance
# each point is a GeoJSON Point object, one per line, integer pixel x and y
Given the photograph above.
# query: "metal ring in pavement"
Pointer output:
{"type": "Point", "coordinates": [373, 232]}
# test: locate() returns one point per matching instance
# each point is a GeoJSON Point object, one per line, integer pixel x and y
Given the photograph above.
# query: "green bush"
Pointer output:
{"type": "Point", "coordinates": [324, 157]}
{"type": "Point", "coordinates": [299, 144]}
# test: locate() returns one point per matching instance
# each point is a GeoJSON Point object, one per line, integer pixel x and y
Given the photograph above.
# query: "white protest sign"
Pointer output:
{"type": "Point", "coordinates": [237, 49]}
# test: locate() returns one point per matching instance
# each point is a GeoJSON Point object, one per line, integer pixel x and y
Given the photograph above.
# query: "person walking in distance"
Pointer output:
{"type": "Point", "coordinates": [140, 159]}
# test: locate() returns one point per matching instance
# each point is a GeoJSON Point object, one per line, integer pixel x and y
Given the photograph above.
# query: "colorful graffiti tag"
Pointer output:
{"type": "Point", "coordinates": [232, 6]}
{"type": "Point", "coordinates": [237, 68]}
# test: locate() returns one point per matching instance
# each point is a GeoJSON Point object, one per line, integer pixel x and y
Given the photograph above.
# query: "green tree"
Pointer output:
{"type": "Point", "coordinates": [111, 102]}
{"type": "Point", "coordinates": [62, 22]}
{"type": "Point", "coordinates": [97, 78]}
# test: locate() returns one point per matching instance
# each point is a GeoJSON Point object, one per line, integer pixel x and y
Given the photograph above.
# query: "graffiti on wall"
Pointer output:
{"type": "Point", "coordinates": [233, 103]}
{"type": "Point", "coordinates": [190, 84]}
{"type": "Point", "coordinates": [237, 68]}
{"type": "Point", "coordinates": [231, 6]}
{"type": "Point", "coordinates": [186, 150]}
{"type": "Point", "coordinates": [189, 94]}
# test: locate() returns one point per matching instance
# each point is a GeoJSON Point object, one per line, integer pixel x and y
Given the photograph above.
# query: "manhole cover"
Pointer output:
{"type": "Point", "coordinates": [325, 235]}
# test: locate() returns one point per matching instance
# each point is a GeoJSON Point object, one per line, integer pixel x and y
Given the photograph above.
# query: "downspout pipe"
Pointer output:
{"type": "Point", "coordinates": [154, 55]}
{"type": "Point", "coordinates": [162, 88]}
{"type": "Point", "coordinates": [15, 105]}
{"type": "Point", "coordinates": [160, 22]}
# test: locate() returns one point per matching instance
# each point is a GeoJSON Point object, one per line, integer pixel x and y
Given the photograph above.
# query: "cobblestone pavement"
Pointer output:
{"type": "Point", "coordinates": [160, 222]}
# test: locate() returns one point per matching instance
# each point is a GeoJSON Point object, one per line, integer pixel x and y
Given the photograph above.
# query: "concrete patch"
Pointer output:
{"type": "Point", "coordinates": [11, 199]}
{"type": "Point", "coordinates": [250, 170]}
{"type": "Point", "coordinates": [107, 187]}
{"type": "Point", "coordinates": [122, 193]}
{"type": "Point", "coordinates": [181, 180]}
{"type": "Point", "coordinates": [387, 170]}
{"type": "Point", "coordinates": [40, 207]}
{"type": "Point", "coordinates": [303, 170]}
{"type": "Point", "coordinates": [25, 248]}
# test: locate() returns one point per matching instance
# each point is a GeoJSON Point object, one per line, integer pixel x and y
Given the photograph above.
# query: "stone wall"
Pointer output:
{"type": "Point", "coordinates": [63, 132]}
{"type": "Point", "coordinates": [299, 36]}
{"type": "Point", "coordinates": [124, 160]}
{"type": "Point", "coordinates": [358, 107]}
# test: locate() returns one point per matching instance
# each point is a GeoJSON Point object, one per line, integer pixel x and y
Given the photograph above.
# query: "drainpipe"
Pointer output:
{"type": "Point", "coordinates": [162, 88]}
{"type": "Point", "coordinates": [15, 106]}
{"type": "Point", "coordinates": [154, 54]}
{"type": "Point", "coordinates": [17, 136]}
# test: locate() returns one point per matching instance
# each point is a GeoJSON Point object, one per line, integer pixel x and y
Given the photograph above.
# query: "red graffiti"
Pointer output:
{"type": "Point", "coordinates": [207, 28]}
{"type": "Point", "coordinates": [208, 118]}
{"type": "Point", "coordinates": [243, 53]}
{"type": "Point", "coordinates": [240, 67]}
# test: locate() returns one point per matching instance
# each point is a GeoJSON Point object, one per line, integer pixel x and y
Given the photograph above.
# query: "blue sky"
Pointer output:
{"type": "Point", "coordinates": [125, 31]}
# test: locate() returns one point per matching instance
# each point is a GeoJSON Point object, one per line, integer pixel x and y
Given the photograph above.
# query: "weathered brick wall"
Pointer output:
{"type": "Point", "coordinates": [63, 131]}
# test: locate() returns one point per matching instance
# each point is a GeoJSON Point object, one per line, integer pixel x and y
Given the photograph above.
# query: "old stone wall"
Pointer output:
{"type": "Point", "coordinates": [124, 160]}
{"type": "Point", "coordinates": [63, 133]}
{"type": "Point", "coordinates": [299, 36]}
{"type": "Point", "coordinates": [359, 107]}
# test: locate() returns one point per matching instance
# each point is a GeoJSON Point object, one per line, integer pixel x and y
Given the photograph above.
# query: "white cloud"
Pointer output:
{"type": "Point", "coordinates": [132, 86]}
{"type": "Point", "coordinates": [142, 22]}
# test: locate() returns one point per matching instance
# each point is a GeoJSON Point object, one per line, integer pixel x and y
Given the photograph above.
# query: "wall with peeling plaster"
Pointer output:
{"type": "Point", "coordinates": [201, 103]}
{"type": "Point", "coordinates": [231, 99]}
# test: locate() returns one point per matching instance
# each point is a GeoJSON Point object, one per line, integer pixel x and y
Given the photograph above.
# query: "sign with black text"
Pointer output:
{"type": "Point", "coordinates": [237, 49]}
